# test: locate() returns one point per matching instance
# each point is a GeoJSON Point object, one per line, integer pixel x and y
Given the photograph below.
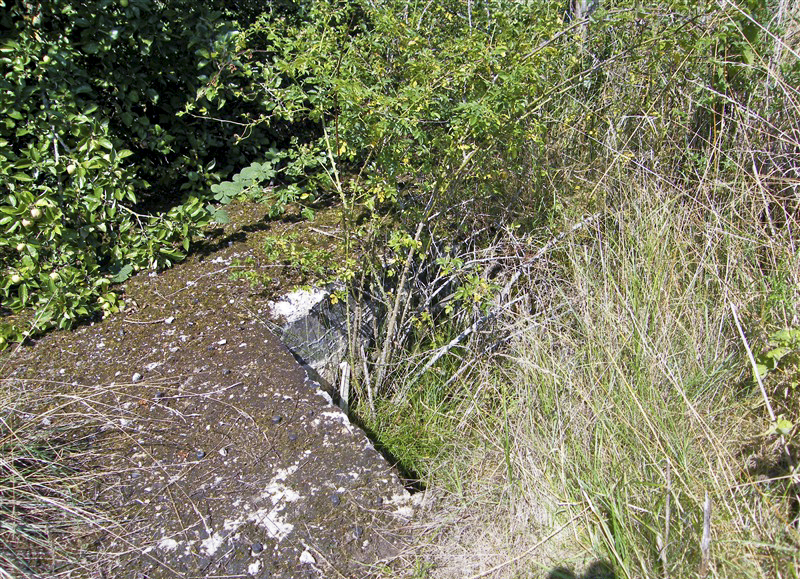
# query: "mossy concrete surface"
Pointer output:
{"type": "Point", "coordinates": [226, 460]}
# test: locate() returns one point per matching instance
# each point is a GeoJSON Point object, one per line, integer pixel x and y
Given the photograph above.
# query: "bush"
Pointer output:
{"type": "Point", "coordinates": [102, 174]}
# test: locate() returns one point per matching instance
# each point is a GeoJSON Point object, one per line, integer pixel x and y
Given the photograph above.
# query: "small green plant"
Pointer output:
{"type": "Point", "coordinates": [298, 258]}
{"type": "Point", "coordinates": [783, 355]}
{"type": "Point", "coordinates": [242, 270]}
{"type": "Point", "coordinates": [474, 291]}
{"type": "Point", "coordinates": [779, 368]}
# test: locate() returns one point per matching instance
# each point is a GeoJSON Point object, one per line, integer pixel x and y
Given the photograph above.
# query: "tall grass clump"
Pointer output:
{"type": "Point", "coordinates": [637, 396]}
{"type": "Point", "coordinates": [54, 480]}
{"type": "Point", "coordinates": [622, 401]}
{"type": "Point", "coordinates": [633, 399]}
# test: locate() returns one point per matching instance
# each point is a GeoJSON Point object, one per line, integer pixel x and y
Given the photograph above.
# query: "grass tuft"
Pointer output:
{"type": "Point", "coordinates": [53, 479]}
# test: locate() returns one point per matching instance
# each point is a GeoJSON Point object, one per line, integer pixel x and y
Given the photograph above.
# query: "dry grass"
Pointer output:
{"type": "Point", "coordinates": [622, 400]}
{"type": "Point", "coordinates": [48, 470]}
{"type": "Point", "coordinates": [640, 389]}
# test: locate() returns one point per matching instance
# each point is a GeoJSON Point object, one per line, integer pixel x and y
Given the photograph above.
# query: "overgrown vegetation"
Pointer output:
{"type": "Point", "coordinates": [53, 479]}
{"type": "Point", "coordinates": [581, 235]}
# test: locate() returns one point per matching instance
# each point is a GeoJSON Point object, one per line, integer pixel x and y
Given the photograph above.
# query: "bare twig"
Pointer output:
{"type": "Point", "coordinates": [753, 363]}
{"type": "Point", "coordinates": [370, 399]}
{"type": "Point", "coordinates": [383, 360]}
{"type": "Point", "coordinates": [344, 387]}
{"type": "Point", "coordinates": [503, 296]}
{"type": "Point", "coordinates": [705, 541]}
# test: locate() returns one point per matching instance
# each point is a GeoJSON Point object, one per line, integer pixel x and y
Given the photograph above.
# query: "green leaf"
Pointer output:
{"type": "Point", "coordinates": [786, 337]}
{"type": "Point", "coordinates": [123, 274]}
{"type": "Point", "coordinates": [783, 426]}
{"type": "Point", "coordinates": [221, 216]}
{"type": "Point", "coordinates": [777, 353]}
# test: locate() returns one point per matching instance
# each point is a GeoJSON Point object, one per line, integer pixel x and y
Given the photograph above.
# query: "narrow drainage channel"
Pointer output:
{"type": "Point", "coordinates": [314, 329]}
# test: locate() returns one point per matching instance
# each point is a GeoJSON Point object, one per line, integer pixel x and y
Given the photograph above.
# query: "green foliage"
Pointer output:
{"type": "Point", "coordinates": [90, 129]}
{"type": "Point", "coordinates": [779, 368]}
{"type": "Point", "coordinates": [784, 353]}
{"type": "Point", "coordinates": [418, 99]}
{"type": "Point", "coordinates": [298, 258]}
{"type": "Point", "coordinates": [109, 107]}
{"type": "Point", "coordinates": [498, 112]}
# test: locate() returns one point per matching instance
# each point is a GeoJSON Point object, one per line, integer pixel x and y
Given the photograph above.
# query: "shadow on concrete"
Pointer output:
{"type": "Point", "coordinates": [597, 570]}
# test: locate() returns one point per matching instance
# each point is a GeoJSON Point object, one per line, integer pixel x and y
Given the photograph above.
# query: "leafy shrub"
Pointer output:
{"type": "Point", "coordinates": [101, 173]}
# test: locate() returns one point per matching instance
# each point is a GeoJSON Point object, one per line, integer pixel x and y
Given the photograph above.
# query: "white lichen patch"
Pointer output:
{"type": "Point", "coordinates": [254, 567]}
{"type": "Point", "coordinates": [307, 558]}
{"type": "Point", "coordinates": [283, 474]}
{"type": "Point", "coordinates": [277, 493]}
{"type": "Point", "coordinates": [404, 503]}
{"type": "Point", "coordinates": [269, 518]}
{"type": "Point", "coordinates": [212, 543]}
{"type": "Point", "coordinates": [168, 544]}
{"type": "Point", "coordinates": [297, 305]}
{"type": "Point", "coordinates": [340, 417]}
{"type": "Point", "coordinates": [272, 522]}
{"type": "Point", "coordinates": [324, 394]}
{"type": "Point", "coordinates": [400, 498]}
{"type": "Point", "coordinates": [404, 512]}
